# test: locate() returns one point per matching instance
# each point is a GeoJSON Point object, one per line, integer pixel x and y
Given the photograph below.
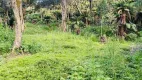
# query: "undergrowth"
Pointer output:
{"type": "Point", "coordinates": [65, 56]}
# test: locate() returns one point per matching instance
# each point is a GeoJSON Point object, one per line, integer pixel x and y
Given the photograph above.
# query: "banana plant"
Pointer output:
{"type": "Point", "coordinates": [124, 18]}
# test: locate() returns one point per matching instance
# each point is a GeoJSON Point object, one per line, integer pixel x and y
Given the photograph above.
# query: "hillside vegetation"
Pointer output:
{"type": "Point", "coordinates": [55, 55]}
{"type": "Point", "coordinates": [70, 39]}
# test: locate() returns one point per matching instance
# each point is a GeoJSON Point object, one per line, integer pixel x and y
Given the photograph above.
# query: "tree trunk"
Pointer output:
{"type": "Point", "coordinates": [122, 31]}
{"type": "Point", "coordinates": [122, 25]}
{"type": "Point", "coordinates": [19, 23]}
{"type": "Point", "coordinates": [64, 15]}
{"type": "Point", "coordinates": [90, 1]}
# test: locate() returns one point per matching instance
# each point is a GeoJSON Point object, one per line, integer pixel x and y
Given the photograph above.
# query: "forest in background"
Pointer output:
{"type": "Point", "coordinates": [70, 39]}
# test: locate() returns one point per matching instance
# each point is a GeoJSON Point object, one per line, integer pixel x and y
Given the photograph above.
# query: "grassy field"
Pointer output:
{"type": "Point", "coordinates": [57, 55]}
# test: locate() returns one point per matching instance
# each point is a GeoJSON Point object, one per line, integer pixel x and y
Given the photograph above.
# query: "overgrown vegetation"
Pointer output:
{"type": "Point", "coordinates": [77, 40]}
{"type": "Point", "coordinates": [6, 39]}
{"type": "Point", "coordinates": [69, 56]}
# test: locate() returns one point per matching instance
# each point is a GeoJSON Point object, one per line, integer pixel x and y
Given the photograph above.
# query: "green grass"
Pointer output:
{"type": "Point", "coordinates": [64, 56]}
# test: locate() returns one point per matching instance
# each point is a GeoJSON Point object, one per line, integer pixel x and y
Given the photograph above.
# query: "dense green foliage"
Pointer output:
{"type": "Point", "coordinates": [102, 41]}
{"type": "Point", "coordinates": [6, 39]}
{"type": "Point", "coordinates": [67, 56]}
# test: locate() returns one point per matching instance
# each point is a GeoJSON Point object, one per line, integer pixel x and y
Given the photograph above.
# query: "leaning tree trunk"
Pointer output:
{"type": "Point", "coordinates": [64, 15]}
{"type": "Point", "coordinates": [19, 23]}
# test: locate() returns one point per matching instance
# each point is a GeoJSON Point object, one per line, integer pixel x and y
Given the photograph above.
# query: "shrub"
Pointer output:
{"type": "Point", "coordinates": [109, 33]}
{"type": "Point", "coordinates": [6, 39]}
{"type": "Point", "coordinates": [140, 33]}
{"type": "Point", "coordinates": [31, 48]}
{"type": "Point", "coordinates": [47, 19]}
{"type": "Point", "coordinates": [131, 37]}
{"type": "Point", "coordinates": [53, 26]}
{"type": "Point", "coordinates": [57, 14]}
{"type": "Point", "coordinates": [139, 39]}
{"type": "Point", "coordinates": [33, 18]}
{"type": "Point", "coordinates": [6, 34]}
{"type": "Point", "coordinates": [5, 48]}
{"type": "Point", "coordinates": [90, 30]}
{"type": "Point", "coordinates": [97, 30]}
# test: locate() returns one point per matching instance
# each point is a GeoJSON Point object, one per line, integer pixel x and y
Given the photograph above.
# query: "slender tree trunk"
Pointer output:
{"type": "Point", "coordinates": [21, 16]}
{"type": "Point", "coordinates": [90, 1]}
{"type": "Point", "coordinates": [64, 15]}
{"type": "Point", "coordinates": [19, 23]}
{"type": "Point", "coordinates": [86, 21]}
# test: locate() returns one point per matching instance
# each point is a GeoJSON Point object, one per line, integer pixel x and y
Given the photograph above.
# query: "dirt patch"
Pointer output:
{"type": "Point", "coordinates": [14, 56]}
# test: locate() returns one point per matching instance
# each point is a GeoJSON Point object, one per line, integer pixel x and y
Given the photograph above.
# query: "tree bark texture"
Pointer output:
{"type": "Point", "coordinates": [64, 15]}
{"type": "Point", "coordinates": [19, 23]}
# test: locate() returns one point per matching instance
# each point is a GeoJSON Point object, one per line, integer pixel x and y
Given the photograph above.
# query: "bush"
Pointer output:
{"type": "Point", "coordinates": [5, 48]}
{"type": "Point", "coordinates": [33, 18]}
{"type": "Point", "coordinates": [6, 34]}
{"type": "Point", "coordinates": [89, 30]}
{"type": "Point", "coordinates": [6, 39]}
{"type": "Point", "coordinates": [57, 14]}
{"type": "Point", "coordinates": [109, 33]}
{"type": "Point", "coordinates": [97, 31]}
{"type": "Point", "coordinates": [140, 33]}
{"type": "Point", "coordinates": [31, 48]}
{"type": "Point", "coordinates": [131, 37]}
{"type": "Point", "coordinates": [139, 39]}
